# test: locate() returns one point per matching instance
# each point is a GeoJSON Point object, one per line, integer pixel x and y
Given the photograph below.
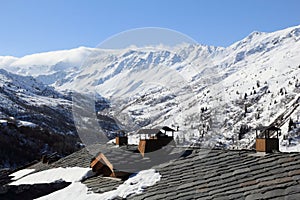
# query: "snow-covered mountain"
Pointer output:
{"type": "Point", "coordinates": [21, 96]}
{"type": "Point", "coordinates": [47, 67]}
{"type": "Point", "coordinates": [208, 91]}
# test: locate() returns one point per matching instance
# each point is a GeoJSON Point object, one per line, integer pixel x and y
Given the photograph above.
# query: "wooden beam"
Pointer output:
{"type": "Point", "coordinates": [106, 161]}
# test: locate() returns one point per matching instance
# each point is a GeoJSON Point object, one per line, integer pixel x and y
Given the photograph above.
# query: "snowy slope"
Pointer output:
{"type": "Point", "coordinates": [21, 95]}
{"type": "Point", "coordinates": [202, 89]}
{"type": "Point", "coordinates": [151, 86]}
{"type": "Point", "coordinates": [55, 65]}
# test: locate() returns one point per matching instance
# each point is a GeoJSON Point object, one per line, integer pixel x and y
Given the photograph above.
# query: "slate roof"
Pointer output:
{"type": "Point", "coordinates": [267, 128]}
{"type": "Point", "coordinates": [149, 131]}
{"type": "Point", "coordinates": [155, 131]}
{"type": "Point", "coordinates": [166, 128]}
{"type": "Point", "coordinates": [82, 158]}
{"type": "Point", "coordinates": [228, 175]}
{"type": "Point", "coordinates": [209, 174]}
{"type": "Point", "coordinates": [129, 159]}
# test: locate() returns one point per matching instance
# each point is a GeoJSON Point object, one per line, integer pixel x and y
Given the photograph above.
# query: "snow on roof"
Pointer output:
{"type": "Point", "coordinates": [77, 190]}
{"type": "Point", "coordinates": [137, 183]}
{"type": "Point", "coordinates": [3, 121]}
{"type": "Point", "coordinates": [134, 185]}
{"type": "Point", "coordinates": [56, 174]}
{"type": "Point", "coordinates": [27, 124]}
{"type": "Point", "coordinates": [21, 173]}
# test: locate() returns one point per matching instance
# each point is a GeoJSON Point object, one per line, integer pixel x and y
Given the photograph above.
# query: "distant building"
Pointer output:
{"type": "Point", "coordinates": [264, 140]}
{"type": "Point", "coordinates": [154, 139]}
{"type": "Point", "coordinates": [121, 138]}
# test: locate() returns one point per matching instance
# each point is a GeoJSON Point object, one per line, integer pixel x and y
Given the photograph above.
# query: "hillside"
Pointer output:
{"type": "Point", "coordinates": [34, 120]}
{"type": "Point", "coordinates": [216, 95]}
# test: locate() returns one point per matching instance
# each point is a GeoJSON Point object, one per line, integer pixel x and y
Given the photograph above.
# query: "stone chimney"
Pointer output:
{"type": "Point", "coordinates": [267, 139]}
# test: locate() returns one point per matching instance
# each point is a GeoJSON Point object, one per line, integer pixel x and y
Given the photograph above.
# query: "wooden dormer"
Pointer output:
{"type": "Point", "coordinates": [102, 165]}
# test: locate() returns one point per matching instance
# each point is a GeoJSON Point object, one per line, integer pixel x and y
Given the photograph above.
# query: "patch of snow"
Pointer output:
{"type": "Point", "coordinates": [293, 148]}
{"type": "Point", "coordinates": [3, 121]}
{"type": "Point", "coordinates": [112, 141]}
{"type": "Point", "coordinates": [137, 183]}
{"type": "Point", "coordinates": [21, 173]}
{"type": "Point", "coordinates": [134, 139]}
{"type": "Point", "coordinates": [56, 174]}
{"type": "Point", "coordinates": [27, 124]}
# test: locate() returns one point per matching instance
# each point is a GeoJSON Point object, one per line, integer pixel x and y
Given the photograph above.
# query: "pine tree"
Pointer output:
{"type": "Point", "coordinates": [258, 83]}
{"type": "Point", "coordinates": [291, 124]}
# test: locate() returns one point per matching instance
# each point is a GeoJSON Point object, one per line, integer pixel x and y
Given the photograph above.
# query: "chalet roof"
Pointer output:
{"type": "Point", "coordinates": [269, 128]}
{"type": "Point", "coordinates": [149, 131]}
{"type": "Point", "coordinates": [155, 131]}
{"type": "Point", "coordinates": [209, 174]}
{"type": "Point", "coordinates": [166, 128]}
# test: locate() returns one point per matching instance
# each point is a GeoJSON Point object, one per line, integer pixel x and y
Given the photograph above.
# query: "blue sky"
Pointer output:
{"type": "Point", "coordinates": [34, 26]}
